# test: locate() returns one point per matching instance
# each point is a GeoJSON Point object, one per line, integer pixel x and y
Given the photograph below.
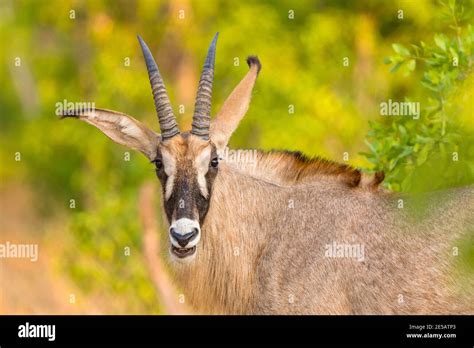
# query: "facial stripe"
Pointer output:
{"type": "Point", "coordinates": [169, 164]}
{"type": "Point", "coordinates": [169, 187]}
{"type": "Point", "coordinates": [202, 167]}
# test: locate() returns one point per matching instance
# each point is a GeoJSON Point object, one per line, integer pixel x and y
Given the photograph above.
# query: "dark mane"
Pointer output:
{"type": "Point", "coordinates": [295, 167]}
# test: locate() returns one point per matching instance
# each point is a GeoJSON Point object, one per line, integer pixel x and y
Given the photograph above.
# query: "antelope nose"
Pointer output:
{"type": "Point", "coordinates": [183, 239]}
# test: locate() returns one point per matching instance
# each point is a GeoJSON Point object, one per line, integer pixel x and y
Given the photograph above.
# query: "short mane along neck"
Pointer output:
{"type": "Point", "coordinates": [288, 168]}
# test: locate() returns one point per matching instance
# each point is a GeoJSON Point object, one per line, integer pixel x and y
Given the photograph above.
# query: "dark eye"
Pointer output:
{"type": "Point", "coordinates": [214, 162]}
{"type": "Point", "coordinates": [158, 163]}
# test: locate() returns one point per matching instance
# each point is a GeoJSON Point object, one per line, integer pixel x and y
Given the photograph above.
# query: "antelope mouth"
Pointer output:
{"type": "Point", "coordinates": [183, 252]}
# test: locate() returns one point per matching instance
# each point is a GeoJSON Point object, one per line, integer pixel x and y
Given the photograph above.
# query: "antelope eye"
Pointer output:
{"type": "Point", "coordinates": [158, 163]}
{"type": "Point", "coordinates": [214, 162]}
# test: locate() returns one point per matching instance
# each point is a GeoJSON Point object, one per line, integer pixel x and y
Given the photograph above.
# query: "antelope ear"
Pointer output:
{"type": "Point", "coordinates": [121, 128]}
{"type": "Point", "coordinates": [235, 107]}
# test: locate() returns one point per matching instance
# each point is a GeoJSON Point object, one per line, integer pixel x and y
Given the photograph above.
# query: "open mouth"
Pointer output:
{"type": "Point", "coordinates": [183, 252]}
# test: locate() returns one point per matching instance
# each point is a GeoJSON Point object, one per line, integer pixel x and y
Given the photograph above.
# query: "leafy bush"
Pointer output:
{"type": "Point", "coordinates": [439, 145]}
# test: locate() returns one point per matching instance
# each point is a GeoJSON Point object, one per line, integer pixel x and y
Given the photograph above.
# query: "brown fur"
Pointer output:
{"type": "Point", "coordinates": [280, 251]}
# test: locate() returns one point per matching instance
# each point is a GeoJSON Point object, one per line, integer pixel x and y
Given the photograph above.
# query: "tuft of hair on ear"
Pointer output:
{"type": "Point", "coordinates": [253, 60]}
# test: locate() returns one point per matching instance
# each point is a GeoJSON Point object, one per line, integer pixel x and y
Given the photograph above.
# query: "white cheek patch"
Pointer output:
{"type": "Point", "coordinates": [169, 165]}
{"type": "Point", "coordinates": [202, 166]}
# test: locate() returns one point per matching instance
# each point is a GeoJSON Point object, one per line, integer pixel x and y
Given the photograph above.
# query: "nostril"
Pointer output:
{"type": "Point", "coordinates": [183, 239]}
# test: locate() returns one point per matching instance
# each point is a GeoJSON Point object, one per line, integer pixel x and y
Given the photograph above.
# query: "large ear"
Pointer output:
{"type": "Point", "coordinates": [121, 128]}
{"type": "Point", "coordinates": [235, 107]}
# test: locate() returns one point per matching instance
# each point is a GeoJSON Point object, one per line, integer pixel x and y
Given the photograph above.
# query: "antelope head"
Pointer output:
{"type": "Point", "coordinates": [186, 162]}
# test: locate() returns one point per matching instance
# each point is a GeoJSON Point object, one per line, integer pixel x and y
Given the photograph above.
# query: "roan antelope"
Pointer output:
{"type": "Point", "coordinates": [288, 234]}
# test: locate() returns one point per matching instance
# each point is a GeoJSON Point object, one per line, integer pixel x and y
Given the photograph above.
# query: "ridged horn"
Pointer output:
{"type": "Point", "coordinates": [166, 117]}
{"type": "Point", "coordinates": [202, 108]}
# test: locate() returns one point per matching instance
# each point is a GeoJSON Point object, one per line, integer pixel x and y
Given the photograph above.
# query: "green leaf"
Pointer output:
{"type": "Point", "coordinates": [432, 62]}
{"type": "Point", "coordinates": [440, 41]}
{"type": "Point", "coordinates": [371, 147]}
{"type": "Point", "coordinates": [403, 131]}
{"type": "Point", "coordinates": [429, 86]}
{"type": "Point", "coordinates": [396, 67]}
{"type": "Point", "coordinates": [411, 65]}
{"type": "Point", "coordinates": [406, 152]}
{"type": "Point", "coordinates": [416, 48]}
{"type": "Point", "coordinates": [392, 164]}
{"type": "Point", "coordinates": [423, 140]}
{"type": "Point", "coordinates": [387, 60]}
{"type": "Point", "coordinates": [454, 54]}
{"type": "Point", "coordinates": [423, 155]}
{"type": "Point", "coordinates": [401, 50]}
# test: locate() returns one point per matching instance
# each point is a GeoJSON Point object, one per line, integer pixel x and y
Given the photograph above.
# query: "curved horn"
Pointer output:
{"type": "Point", "coordinates": [202, 108]}
{"type": "Point", "coordinates": [166, 117]}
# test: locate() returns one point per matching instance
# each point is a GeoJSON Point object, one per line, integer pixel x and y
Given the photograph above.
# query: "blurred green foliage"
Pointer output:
{"type": "Point", "coordinates": [437, 150]}
{"type": "Point", "coordinates": [322, 81]}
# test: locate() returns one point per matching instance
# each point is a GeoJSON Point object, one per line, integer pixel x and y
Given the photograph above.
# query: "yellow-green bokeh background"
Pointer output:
{"type": "Point", "coordinates": [85, 59]}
